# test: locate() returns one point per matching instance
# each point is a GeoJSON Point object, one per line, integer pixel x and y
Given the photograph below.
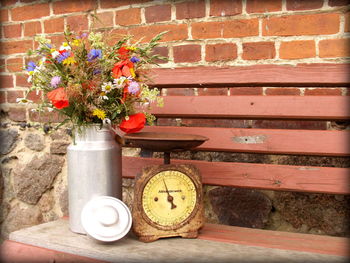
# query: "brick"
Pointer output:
{"type": "Point", "coordinates": [158, 13]}
{"type": "Point", "coordinates": [30, 12]}
{"type": "Point", "coordinates": [282, 91]}
{"type": "Point", "coordinates": [203, 30]}
{"type": "Point", "coordinates": [304, 5]}
{"type": "Point", "coordinates": [2, 96]}
{"type": "Point", "coordinates": [6, 81]}
{"type": "Point", "coordinates": [258, 50]}
{"type": "Point", "coordinates": [33, 96]}
{"type": "Point", "coordinates": [119, 3]}
{"type": "Point", "coordinates": [298, 49]}
{"type": "Point", "coordinates": [57, 40]}
{"type": "Point", "coordinates": [220, 52]}
{"type": "Point", "coordinates": [13, 95]}
{"type": "Point", "coordinates": [241, 27]}
{"type": "Point", "coordinates": [14, 64]}
{"type": "Point", "coordinates": [128, 17]}
{"type": "Point", "coordinates": [15, 47]}
{"type": "Point", "coordinates": [347, 22]}
{"type": "Point", "coordinates": [78, 22]}
{"type": "Point", "coordinates": [180, 92]}
{"type": "Point", "coordinates": [12, 31]}
{"type": "Point", "coordinates": [64, 7]}
{"type": "Point", "coordinates": [338, 2]}
{"type": "Point", "coordinates": [54, 25]}
{"type": "Point", "coordinates": [115, 35]}
{"type": "Point", "coordinates": [2, 65]}
{"type": "Point", "coordinates": [104, 20]}
{"type": "Point", "coordinates": [161, 51]}
{"type": "Point", "coordinates": [212, 91]}
{"type": "Point", "coordinates": [296, 25]}
{"type": "Point", "coordinates": [258, 6]}
{"type": "Point", "coordinates": [32, 29]}
{"type": "Point", "coordinates": [8, 2]}
{"type": "Point", "coordinates": [187, 53]}
{"type": "Point", "coordinates": [4, 15]}
{"type": "Point", "coordinates": [323, 91]}
{"type": "Point", "coordinates": [246, 91]}
{"type": "Point", "coordinates": [225, 7]}
{"type": "Point", "coordinates": [53, 117]}
{"type": "Point", "coordinates": [331, 48]}
{"type": "Point", "coordinates": [188, 10]}
{"type": "Point", "coordinates": [175, 32]}
{"type": "Point", "coordinates": [289, 124]}
{"type": "Point", "coordinates": [22, 80]}
{"type": "Point", "coordinates": [17, 113]}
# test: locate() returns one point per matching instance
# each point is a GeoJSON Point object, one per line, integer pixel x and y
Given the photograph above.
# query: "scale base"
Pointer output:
{"type": "Point", "coordinates": [147, 239]}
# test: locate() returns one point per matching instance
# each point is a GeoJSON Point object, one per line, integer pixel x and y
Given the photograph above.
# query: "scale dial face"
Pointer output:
{"type": "Point", "coordinates": [169, 198]}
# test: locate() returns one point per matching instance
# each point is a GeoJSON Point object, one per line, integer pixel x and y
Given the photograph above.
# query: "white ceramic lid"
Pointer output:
{"type": "Point", "coordinates": [106, 218]}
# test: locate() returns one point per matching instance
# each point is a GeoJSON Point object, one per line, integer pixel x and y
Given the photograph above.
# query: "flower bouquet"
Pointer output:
{"type": "Point", "coordinates": [90, 81]}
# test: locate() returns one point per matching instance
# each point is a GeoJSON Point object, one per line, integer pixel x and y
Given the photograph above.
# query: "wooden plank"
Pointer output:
{"type": "Point", "coordinates": [12, 251]}
{"type": "Point", "coordinates": [311, 75]}
{"type": "Point", "coordinates": [279, 141]}
{"type": "Point", "coordinates": [253, 107]}
{"type": "Point", "coordinates": [275, 239]}
{"type": "Point", "coordinates": [259, 176]}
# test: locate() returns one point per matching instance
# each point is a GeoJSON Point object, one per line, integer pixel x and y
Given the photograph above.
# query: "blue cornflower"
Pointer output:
{"type": "Point", "coordinates": [96, 71]}
{"type": "Point", "coordinates": [63, 56]}
{"type": "Point", "coordinates": [94, 53]}
{"type": "Point", "coordinates": [134, 59]}
{"type": "Point", "coordinates": [31, 66]}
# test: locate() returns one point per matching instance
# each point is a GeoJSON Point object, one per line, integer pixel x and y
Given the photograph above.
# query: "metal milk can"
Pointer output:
{"type": "Point", "coordinates": [94, 169]}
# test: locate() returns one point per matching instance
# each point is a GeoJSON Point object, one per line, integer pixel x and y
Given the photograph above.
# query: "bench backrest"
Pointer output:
{"type": "Point", "coordinates": [214, 110]}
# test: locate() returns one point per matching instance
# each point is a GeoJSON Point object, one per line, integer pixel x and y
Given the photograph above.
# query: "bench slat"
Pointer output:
{"type": "Point", "coordinates": [312, 75]}
{"type": "Point", "coordinates": [260, 176]}
{"type": "Point", "coordinates": [307, 142]}
{"type": "Point", "coordinates": [254, 107]}
{"type": "Point", "coordinates": [275, 239]}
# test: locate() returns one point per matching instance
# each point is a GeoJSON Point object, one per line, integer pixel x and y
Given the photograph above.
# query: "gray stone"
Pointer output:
{"type": "Point", "coordinates": [19, 218]}
{"type": "Point", "coordinates": [37, 176]}
{"type": "Point", "coordinates": [34, 142]}
{"type": "Point", "coordinates": [302, 208]}
{"type": "Point", "coordinates": [46, 202]}
{"type": "Point", "coordinates": [240, 207]}
{"type": "Point", "coordinates": [59, 147]}
{"type": "Point", "coordinates": [60, 135]}
{"type": "Point", "coordinates": [63, 201]}
{"type": "Point", "coordinates": [7, 140]}
{"type": "Point", "coordinates": [1, 186]}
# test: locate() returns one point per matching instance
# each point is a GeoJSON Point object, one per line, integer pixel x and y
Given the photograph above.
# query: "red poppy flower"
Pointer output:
{"type": "Point", "coordinates": [122, 69]}
{"type": "Point", "coordinates": [123, 53]}
{"type": "Point", "coordinates": [135, 123]}
{"type": "Point", "coordinates": [58, 98]}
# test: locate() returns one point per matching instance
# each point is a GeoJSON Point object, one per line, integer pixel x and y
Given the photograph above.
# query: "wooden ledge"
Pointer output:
{"type": "Point", "coordinates": [54, 241]}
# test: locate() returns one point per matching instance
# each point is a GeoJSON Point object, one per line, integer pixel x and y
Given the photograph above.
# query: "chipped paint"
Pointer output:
{"type": "Point", "coordinates": [250, 139]}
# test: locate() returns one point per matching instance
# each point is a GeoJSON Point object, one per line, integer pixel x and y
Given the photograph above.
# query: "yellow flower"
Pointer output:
{"type": "Point", "coordinates": [131, 48]}
{"type": "Point", "coordinates": [69, 61]}
{"type": "Point", "coordinates": [99, 114]}
{"type": "Point", "coordinates": [76, 42]}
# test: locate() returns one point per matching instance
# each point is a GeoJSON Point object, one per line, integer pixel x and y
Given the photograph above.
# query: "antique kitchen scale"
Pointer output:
{"type": "Point", "coordinates": [168, 198]}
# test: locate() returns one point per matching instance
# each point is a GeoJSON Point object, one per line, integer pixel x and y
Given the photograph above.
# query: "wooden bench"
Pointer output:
{"type": "Point", "coordinates": [312, 179]}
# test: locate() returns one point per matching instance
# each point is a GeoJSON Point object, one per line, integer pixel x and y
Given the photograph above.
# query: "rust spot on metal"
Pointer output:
{"type": "Point", "coordinates": [250, 139]}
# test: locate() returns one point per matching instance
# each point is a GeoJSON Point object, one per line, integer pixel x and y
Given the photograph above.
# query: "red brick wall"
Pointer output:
{"type": "Point", "coordinates": [201, 33]}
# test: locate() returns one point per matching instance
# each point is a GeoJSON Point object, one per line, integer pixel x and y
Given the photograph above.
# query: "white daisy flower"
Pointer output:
{"type": "Point", "coordinates": [107, 87]}
{"type": "Point", "coordinates": [120, 82]}
{"type": "Point", "coordinates": [65, 46]}
{"type": "Point", "coordinates": [23, 101]}
{"type": "Point", "coordinates": [55, 54]}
